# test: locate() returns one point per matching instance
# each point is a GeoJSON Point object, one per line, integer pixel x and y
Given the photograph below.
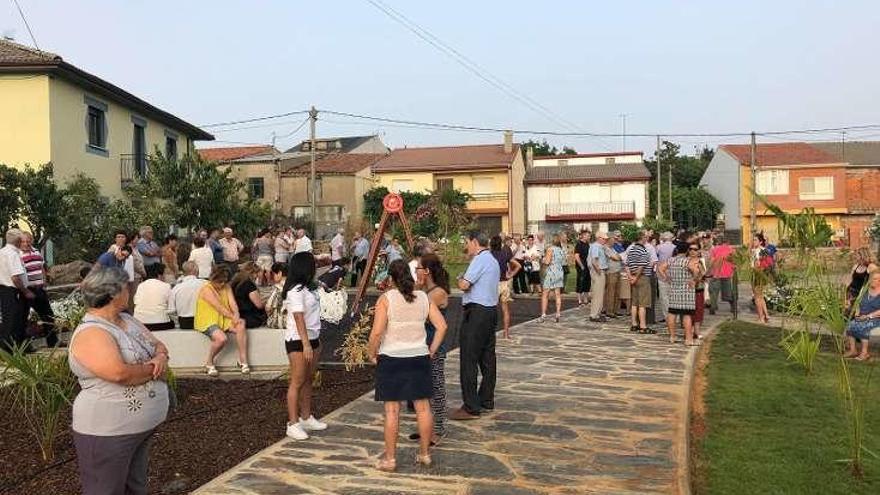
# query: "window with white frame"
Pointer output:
{"type": "Point", "coordinates": [401, 185]}
{"type": "Point", "coordinates": [816, 188]}
{"type": "Point", "coordinates": [770, 182]}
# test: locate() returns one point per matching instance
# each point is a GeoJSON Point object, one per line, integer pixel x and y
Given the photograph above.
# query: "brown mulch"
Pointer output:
{"type": "Point", "coordinates": [217, 425]}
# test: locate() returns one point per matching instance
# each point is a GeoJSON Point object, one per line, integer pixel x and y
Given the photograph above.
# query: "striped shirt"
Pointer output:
{"type": "Point", "coordinates": [33, 265]}
{"type": "Point", "coordinates": [638, 257]}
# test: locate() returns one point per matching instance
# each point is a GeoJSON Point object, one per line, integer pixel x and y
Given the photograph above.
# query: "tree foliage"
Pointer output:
{"type": "Point", "coordinates": [435, 214]}
{"type": "Point", "coordinates": [686, 174]}
{"type": "Point", "coordinates": [544, 148]}
{"type": "Point", "coordinates": [695, 208]}
{"type": "Point", "coordinates": [30, 198]}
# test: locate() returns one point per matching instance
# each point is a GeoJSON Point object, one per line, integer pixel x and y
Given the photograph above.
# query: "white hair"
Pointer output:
{"type": "Point", "coordinates": [13, 236]}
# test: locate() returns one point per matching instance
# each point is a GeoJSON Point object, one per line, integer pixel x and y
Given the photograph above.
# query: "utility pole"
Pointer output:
{"type": "Point", "coordinates": [670, 191]}
{"type": "Point", "coordinates": [753, 168]}
{"type": "Point", "coordinates": [659, 201]}
{"type": "Point", "coordinates": [623, 118]}
{"type": "Point", "coordinates": [277, 163]}
{"type": "Point", "coordinates": [313, 117]}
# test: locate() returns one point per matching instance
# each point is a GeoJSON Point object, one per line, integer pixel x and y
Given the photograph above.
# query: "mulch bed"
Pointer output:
{"type": "Point", "coordinates": [217, 424]}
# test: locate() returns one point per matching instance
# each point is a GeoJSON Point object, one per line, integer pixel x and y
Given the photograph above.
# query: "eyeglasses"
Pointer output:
{"type": "Point", "coordinates": [693, 248]}
{"type": "Point", "coordinates": [421, 268]}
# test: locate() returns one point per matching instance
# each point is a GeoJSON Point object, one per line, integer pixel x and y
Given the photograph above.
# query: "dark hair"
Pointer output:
{"type": "Point", "coordinates": [155, 270]}
{"type": "Point", "coordinates": [681, 248]}
{"type": "Point", "coordinates": [300, 271]}
{"type": "Point", "coordinates": [531, 236]}
{"type": "Point", "coordinates": [170, 237]}
{"type": "Point", "coordinates": [120, 232]}
{"type": "Point", "coordinates": [432, 263]}
{"type": "Point", "coordinates": [495, 243]}
{"type": "Point", "coordinates": [246, 272]}
{"type": "Point", "coordinates": [263, 232]}
{"type": "Point", "coordinates": [125, 248]}
{"type": "Point", "coordinates": [761, 239]}
{"type": "Point", "coordinates": [278, 267]}
{"type": "Point", "coordinates": [480, 237]}
{"type": "Point", "coordinates": [344, 260]}
{"type": "Point", "coordinates": [402, 277]}
{"type": "Point", "coordinates": [198, 242]}
{"type": "Point", "coordinates": [418, 250]}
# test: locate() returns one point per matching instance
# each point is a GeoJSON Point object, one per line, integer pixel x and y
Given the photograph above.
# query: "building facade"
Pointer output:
{"type": "Point", "coordinates": [594, 191]}
{"type": "Point", "coordinates": [55, 112]}
{"type": "Point", "coordinates": [491, 174]}
{"type": "Point", "coordinates": [842, 186]}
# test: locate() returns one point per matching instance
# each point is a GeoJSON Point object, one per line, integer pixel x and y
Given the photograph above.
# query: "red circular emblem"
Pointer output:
{"type": "Point", "coordinates": [393, 203]}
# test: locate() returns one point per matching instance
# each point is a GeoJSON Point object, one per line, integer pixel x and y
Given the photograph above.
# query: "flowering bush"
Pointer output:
{"type": "Point", "coordinates": [69, 311]}
{"type": "Point", "coordinates": [874, 229]}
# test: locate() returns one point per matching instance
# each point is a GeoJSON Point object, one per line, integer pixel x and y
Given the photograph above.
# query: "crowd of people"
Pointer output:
{"type": "Point", "coordinates": [138, 286]}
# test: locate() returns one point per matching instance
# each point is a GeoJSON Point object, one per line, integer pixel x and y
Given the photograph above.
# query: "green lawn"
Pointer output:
{"type": "Point", "coordinates": [770, 428]}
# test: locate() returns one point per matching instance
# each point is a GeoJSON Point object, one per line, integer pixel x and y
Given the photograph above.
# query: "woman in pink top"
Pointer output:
{"type": "Point", "coordinates": [398, 347]}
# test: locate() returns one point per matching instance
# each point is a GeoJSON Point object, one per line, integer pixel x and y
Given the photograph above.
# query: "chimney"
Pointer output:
{"type": "Point", "coordinates": [530, 157]}
{"type": "Point", "coordinates": [508, 141]}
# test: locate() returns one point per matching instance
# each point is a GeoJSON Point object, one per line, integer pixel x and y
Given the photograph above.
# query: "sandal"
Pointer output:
{"type": "Point", "coordinates": [245, 369]}
{"type": "Point", "coordinates": [557, 318]}
{"type": "Point", "coordinates": [211, 370]}
{"type": "Point", "coordinates": [634, 328]}
{"type": "Point", "coordinates": [424, 460]}
{"type": "Point", "coordinates": [863, 359]}
{"type": "Point", "coordinates": [650, 331]}
{"type": "Point", "coordinates": [386, 465]}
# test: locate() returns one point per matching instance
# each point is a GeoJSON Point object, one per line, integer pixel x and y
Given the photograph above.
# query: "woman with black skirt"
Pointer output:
{"type": "Point", "coordinates": [398, 347]}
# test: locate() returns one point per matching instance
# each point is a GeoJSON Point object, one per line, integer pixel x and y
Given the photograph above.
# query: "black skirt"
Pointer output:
{"type": "Point", "coordinates": [399, 379]}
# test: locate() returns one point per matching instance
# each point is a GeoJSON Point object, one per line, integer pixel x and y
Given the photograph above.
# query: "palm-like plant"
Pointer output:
{"type": "Point", "coordinates": [39, 386]}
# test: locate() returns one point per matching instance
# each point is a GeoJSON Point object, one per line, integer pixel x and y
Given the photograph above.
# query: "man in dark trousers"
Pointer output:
{"type": "Point", "coordinates": [477, 334]}
{"type": "Point", "coordinates": [13, 291]}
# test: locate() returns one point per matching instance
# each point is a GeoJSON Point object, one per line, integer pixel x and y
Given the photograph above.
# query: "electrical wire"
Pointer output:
{"type": "Point", "coordinates": [291, 133]}
{"type": "Point", "coordinates": [27, 25]}
{"type": "Point", "coordinates": [256, 119]}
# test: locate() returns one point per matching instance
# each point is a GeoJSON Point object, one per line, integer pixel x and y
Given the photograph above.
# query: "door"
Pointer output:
{"type": "Point", "coordinates": [139, 150]}
{"type": "Point", "coordinates": [489, 225]}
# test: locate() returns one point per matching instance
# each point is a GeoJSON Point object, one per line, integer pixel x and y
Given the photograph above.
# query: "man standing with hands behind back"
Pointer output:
{"type": "Point", "coordinates": [477, 334]}
{"type": "Point", "coordinates": [598, 264]}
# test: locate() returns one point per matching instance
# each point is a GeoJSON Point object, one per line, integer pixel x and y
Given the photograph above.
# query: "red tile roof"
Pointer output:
{"type": "Point", "coordinates": [232, 153]}
{"type": "Point", "coordinates": [447, 158]}
{"type": "Point", "coordinates": [778, 154]}
{"type": "Point", "coordinates": [337, 163]}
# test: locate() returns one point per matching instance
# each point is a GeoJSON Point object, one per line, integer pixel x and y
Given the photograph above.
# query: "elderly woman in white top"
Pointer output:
{"type": "Point", "coordinates": [151, 300]}
{"type": "Point", "coordinates": [398, 347]}
{"type": "Point", "coordinates": [123, 398]}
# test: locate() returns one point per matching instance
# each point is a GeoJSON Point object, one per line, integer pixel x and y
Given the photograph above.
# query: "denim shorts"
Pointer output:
{"type": "Point", "coordinates": [861, 329]}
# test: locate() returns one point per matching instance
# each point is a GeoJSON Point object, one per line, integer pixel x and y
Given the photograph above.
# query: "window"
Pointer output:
{"type": "Point", "coordinates": [321, 145]}
{"type": "Point", "coordinates": [816, 188]}
{"type": "Point", "coordinates": [444, 184]}
{"type": "Point", "coordinates": [256, 187]}
{"type": "Point", "coordinates": [319, 188]}
{"type": "Point", "coordinates": [772, 181]}
{"type": "Point", "coordinates": [171, 147]}
{"type": "Point", "coordinates": [139, 147]}
{"type": "Point", "coordinates": [484, 185]}
{"type": "Point", "coordinates": [97, 128]}
{"type": "Point", "coordinates": [610, 160]}
{"type": "Point", "coordinates": [401, 185]}
{"type": "Point", "coordinates": [562, 163]}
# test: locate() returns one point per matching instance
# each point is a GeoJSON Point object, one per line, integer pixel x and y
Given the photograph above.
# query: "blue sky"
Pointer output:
{"type": "Point", "coordinates": [671, 66]}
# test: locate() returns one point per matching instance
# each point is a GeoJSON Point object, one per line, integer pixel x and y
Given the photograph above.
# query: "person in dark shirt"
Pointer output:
{"type": "Point", "coordinates": [581, 257]}
{"type": "Point", "coordinates": [251, 306]}
{"type": "Point", "coordinates": [117, 258]}
{"type": "Point", "coordinates": [508, 267]}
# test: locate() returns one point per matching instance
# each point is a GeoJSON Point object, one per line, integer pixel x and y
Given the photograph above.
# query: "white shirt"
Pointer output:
{"type": "Point", "coordinates": [151, 301]}
{"type": "Point", "coordinates": [337, 247]}
{"type": "Point", "coordinates": [301, 300]}
{"type": "Point", "coordinates": [184, 296]}
{"type": "Point", "coordinates": [204, 258]}
{"type": "Point", "coordinates": [11, 266]}
{"type": "Point", "coordinates": [413, 264]}
{"type": "Point", "coordinates": [303, 244]}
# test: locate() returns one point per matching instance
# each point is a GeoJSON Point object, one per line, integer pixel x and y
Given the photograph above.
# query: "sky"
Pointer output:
{"type": "Point", "coordinates": [669, 66]}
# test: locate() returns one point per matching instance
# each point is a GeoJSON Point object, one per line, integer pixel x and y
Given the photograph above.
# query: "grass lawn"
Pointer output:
{"type": "Point", "coordinates": [771, 429]}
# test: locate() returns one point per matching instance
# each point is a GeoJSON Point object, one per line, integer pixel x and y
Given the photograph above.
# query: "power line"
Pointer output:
{"type": "Point", "coordinates": [257, 119]}
{"type": "Point", "coordinates": [598, 134]}
{"type": "Point", "coordinates": [291, 133]}
{"type": "Point", "coordinates": [258, 126]}
{"type": "Point", "coordinates": [468, 64]}
{"type": "Point", "coordinates": [28, 26]}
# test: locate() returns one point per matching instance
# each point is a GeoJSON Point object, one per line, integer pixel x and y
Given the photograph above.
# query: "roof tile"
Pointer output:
{"type": "Point", "coordinates": [12, 53]}
{"type": "Point", "coordinates": [587, 173]}
{"type": "Point", "coordinates": [778, 154]}
{"type": "Point", "coordinates": [447, 158]}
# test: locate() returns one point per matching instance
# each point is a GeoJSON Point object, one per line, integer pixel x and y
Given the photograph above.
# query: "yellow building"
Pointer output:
{"type": "Point", "coordinates": [52, 111]}
{"type": "Point", "coordinates": [492, 174]}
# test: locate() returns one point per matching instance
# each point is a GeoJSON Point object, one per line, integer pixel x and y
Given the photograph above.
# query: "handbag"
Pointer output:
{"type": "Point", "coordinates": [333, 304]}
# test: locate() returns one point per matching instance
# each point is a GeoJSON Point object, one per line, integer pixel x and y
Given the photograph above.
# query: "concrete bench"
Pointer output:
{"type": "Point", "coordinates": [189, 348]}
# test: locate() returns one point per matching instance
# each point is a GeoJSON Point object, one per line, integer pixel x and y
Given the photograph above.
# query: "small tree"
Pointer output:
{"type": "Point", "coordinates": [9, 197]}
{"type": "Point", "coordinates": [40, 197]}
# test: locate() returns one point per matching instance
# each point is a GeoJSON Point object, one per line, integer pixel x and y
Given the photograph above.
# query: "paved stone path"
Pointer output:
{"type": "Point", "coordinates": [580, 408]}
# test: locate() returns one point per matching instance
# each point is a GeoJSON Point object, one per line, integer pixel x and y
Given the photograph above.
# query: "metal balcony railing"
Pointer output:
{"type": "Point", "coordinates": [612, 208]}
{"type": "Point", "coordinates": [133, 167]}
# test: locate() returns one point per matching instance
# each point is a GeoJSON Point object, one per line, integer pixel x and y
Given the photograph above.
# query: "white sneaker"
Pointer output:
{"type": "Point", "coordinates": [296, 432]}
{"type": "Point", "coordinates": [312, 424]}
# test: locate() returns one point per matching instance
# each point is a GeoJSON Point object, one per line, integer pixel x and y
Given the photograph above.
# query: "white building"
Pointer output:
{"type": "Point", "coordinates": [594, 191]}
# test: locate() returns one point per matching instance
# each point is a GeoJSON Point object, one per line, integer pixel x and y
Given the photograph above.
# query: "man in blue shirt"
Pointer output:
{"type": "Point", "coordinates": [115, 258]}
{"type": "Point", "coordinates": [598, 263]}
{"type": "Point", "coordinates": [148, 247]}
{"type": "Point", "coordinates": [477, 334]}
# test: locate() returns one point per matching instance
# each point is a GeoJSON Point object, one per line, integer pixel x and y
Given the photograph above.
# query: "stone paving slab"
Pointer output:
{"type": "Point", "coordinates": [580, 408]}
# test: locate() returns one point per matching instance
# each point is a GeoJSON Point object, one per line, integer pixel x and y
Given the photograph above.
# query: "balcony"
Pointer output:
{"type": "Point", "coordinates": [594, 211]}
{"type": "Point", "coordinates": [132, 168]}
{"type": "Point", "coordinates": [488, 203]}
